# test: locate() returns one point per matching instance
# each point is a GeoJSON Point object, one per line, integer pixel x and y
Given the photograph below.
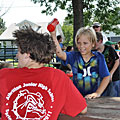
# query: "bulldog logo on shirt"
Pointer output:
{"type": "Point", "coordinates": [29, 101]}
{"type": "Point", "coordinates": [29, 104]}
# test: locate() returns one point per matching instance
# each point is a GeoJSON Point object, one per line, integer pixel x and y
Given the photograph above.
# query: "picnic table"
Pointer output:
{"type": "Point", "coordinates": [103, 108]}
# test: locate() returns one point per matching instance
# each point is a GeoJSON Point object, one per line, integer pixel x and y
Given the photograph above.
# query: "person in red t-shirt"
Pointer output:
{"type": "Point", "coordinates": [33, 91]}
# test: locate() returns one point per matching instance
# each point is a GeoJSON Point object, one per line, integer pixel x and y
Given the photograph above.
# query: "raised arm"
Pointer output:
{"type": "Point", "coordinates": [61, 54]}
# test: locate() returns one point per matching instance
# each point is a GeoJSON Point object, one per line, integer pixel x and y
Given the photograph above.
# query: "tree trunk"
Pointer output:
{"type": "Point", "coordinates": [77, 17]}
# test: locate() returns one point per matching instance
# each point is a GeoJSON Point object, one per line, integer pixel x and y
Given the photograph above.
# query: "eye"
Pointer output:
{"type": "Point", "coordinates": [78, 43]}
{"type": "Point", "coordinates": [85, 43]}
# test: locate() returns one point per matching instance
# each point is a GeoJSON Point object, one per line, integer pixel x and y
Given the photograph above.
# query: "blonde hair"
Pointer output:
{"type": "Point", "coordinates": [87, 31]}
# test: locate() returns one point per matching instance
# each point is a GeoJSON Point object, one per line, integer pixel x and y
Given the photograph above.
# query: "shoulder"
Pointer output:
{"type": "Point", "coordinates": [109, 47]}
{"type": "Point", "coordinates": [6, 71]}
{"type": "Point", "coordinates": [98, 54]}
{"type": "Point", "coordinates": [73, 53]}
{"type": "Point", "coordinates": [72, 56]}
{"type": "Point", "coordinates": [112, 51]}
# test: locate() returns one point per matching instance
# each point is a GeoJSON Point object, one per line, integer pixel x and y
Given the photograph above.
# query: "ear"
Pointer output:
{"type": "Point", "coordinates": [27, 55]}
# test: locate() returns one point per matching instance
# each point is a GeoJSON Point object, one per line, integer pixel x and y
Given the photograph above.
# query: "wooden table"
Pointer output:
{"type": "Point", "coordinates": [104, 108]}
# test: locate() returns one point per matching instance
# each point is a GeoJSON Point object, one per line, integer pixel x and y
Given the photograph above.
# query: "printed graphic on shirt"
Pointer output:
{"type": "Point", "coordinates": [87, 74]}
{"type": "Point", "coordinates": [28, 104]}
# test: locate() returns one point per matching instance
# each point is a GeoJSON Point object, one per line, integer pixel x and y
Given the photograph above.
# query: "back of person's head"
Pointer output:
{"type": "Point", "coordinates": [69, 48]}
{"type": "Point", "coordinates": [5, 65]}
{"type": "Point", "coordinates": [99, 36]}
{"type": "Point", "coordinates": [89, 32]}
{"type": "Point", "coordinates": [40, 45]}
{"type": "Point", "coordinates": [59, 38]}
{"type": "Point", "coordinates": [109, 43]}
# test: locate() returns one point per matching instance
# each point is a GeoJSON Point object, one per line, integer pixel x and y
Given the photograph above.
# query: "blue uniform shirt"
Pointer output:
{"type": "Point", "coordinates": [86, 75]}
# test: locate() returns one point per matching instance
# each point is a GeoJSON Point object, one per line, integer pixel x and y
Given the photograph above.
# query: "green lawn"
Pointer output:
{"type": "Point", "coordinates": [16, 63]}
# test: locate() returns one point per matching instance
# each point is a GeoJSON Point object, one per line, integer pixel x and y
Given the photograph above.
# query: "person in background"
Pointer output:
{"type": "Point", "coordinates": [114, 45]}
{"type": "Point", "coordinates": [67, 68]}
{"type": "Point", "coordinates": [113, 64]}
{"type": "Point", "coordinates": [97, 27]}
{"type": "Point", "coordinates": [33, 91]}
{"type": "Point", "coordinates": [119, 45]}
{"type": "Point", "coordinates": [117, 50]}
{"type": "Point", "coordinates": [110, 43]}
{"type": "Point", "coordinates": [59, 38]}
{"type": "Point", "coordinates": [87, 66]}
{"type": "Point", "coordinates": [69, 48]}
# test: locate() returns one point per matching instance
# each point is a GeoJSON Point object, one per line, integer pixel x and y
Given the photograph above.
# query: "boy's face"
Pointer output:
{"type": "Point", "coordinates": [98, 44]}
{"type": "Point", "coordinates": [22, 59]}
{"type": "Point", "coordinates": [84, 45]}
{"type": "Point", "coordinates": [97, 28]}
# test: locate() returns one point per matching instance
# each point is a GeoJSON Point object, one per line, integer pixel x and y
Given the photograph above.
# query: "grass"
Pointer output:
{"type": "Point", "coordinates": [15, 64]}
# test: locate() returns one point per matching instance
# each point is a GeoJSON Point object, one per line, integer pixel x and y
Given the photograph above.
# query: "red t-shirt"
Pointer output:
{"type": "Point", "coordinates": [39, 94]}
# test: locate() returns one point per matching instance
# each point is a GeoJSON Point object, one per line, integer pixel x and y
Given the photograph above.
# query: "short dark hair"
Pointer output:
{"type": "Point", "coordinates": [116, 47]}
{"type": "Point", "coordinates": [99, 36]}
{"type": "Point", "coordinates": [68, 48]}
{"type": "Point", "coordinates": [40, 45]}
{"type": "Point", "coordinates": [59, 37]}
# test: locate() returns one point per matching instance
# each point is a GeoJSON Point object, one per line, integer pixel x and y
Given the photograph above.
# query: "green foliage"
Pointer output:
{"type": "Point", "coordinates": [107, 12]}
{"type": "Point", "coordinates": [53, 5]}
{"type": "Point", "coordinates": [2, 26]}
{"type": "Point", "coordinates": [68, 32]}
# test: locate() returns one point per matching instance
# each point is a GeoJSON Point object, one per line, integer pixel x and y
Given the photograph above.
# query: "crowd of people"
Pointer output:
{"type": "Point", "coordinates": [33, 91]}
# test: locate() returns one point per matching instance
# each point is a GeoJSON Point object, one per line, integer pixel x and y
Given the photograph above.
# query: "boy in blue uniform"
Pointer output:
{"type": "Point", "coordinates": [87, 66]}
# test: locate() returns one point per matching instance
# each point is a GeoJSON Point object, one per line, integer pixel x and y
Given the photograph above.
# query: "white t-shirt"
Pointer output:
{"type": "Point", "coordinates": [105, 39]}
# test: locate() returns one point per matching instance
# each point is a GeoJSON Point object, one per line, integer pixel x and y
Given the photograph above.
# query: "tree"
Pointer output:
{"type": "Point", "coordinates": [5, 9]}
{"type": "Point", "coordinates": [68, 33]}
{"type": "Point", "coordinates": [2, 26]}
{"type": "Point", "coordinates": [85, 12]}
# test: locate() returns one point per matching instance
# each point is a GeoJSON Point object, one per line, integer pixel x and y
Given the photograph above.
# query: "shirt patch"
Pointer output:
{"type": "Point", "coordinates": [87, 75]}
{"type": "Point", "coordinates": [28, 103]}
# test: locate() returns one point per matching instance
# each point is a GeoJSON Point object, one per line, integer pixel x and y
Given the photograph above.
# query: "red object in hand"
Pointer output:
{"type": "Point", "coordinates": [52, 25]}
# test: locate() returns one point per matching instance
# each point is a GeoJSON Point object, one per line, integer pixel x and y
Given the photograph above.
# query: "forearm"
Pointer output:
{"type": "Point", "coordinates": [103, 85]}
{"type": "Point", "coordinates": [61, 54]}
{"type": "Point", "coordinates": [67, 117]}
{"type": "Point", "coordinates": [115, 67]}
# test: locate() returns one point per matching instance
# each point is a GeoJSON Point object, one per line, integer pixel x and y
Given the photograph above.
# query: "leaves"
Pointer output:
{"type": "Point", "coordinates": [2, 26]}
{"type": "Point", "coordinates": [68, 32]}
{"type": "Point", "coordinates": [104, 11]}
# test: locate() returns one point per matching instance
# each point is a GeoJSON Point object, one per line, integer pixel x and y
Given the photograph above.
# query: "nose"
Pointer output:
{"type": "Point", "coordinates": [81, 45]}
